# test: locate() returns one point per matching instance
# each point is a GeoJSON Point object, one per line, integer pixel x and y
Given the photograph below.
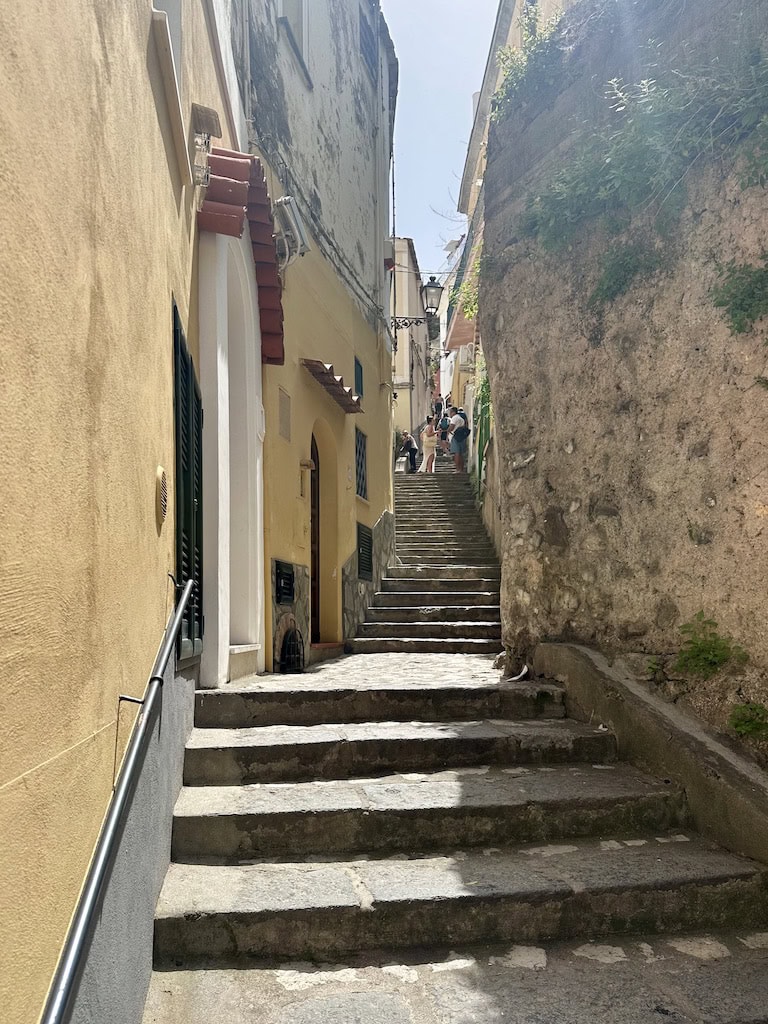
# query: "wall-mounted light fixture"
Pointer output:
{"type": "Point", "coordinates": [291, 236]}
{"type": "Point", "coordinates": [305, 464]}
{"type": "Point", "coordinates": [200, 170]}
{"type": "Point", "coordinates": [430, 296]}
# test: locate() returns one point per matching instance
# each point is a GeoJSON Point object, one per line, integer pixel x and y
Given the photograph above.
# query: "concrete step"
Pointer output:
{"type": "Point", "coordinates": [705, 976]}
{"type": "Point", "coordinates": [436, 596]}
{"type": "Point", "coordinates": [310, 700]}
{"type": "Point", "coordinates": [438, 561]}
{"type": "Point", "coordinates": [430, 630]}
{"type": "Point", "coordinates": [465, 582]}
{"type": "Point", "coordinates": [296, 753]}
{"type": "Point", "coordinates": [492, 571]}
{"type": "Point", "coordinates": [436, 613]}
{"type": "Point", "coordinates": [457, 548]}
{"type": "Point", "coordinates": [417, 645]}
{"type": "Point", "coordinates": [440, 811]}
{"type": "Point", "coordinates": [587, 888]}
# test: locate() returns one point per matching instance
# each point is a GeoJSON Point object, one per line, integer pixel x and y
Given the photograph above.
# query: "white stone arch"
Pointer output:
{"type": "Point", "coordinates": [233, 436]}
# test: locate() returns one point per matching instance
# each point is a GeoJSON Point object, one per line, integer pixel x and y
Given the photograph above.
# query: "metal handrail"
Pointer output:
{"type": "Point", "coordinates": [68, 969]}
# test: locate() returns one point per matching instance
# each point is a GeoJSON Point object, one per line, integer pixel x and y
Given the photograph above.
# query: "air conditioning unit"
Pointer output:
{"type": "Point", "coordinates": [291, 238]}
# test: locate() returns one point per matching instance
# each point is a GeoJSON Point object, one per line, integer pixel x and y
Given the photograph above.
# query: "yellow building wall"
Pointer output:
{"type": "Point", "coordinates": [98, 235]}
{"type": "Point", "coordinates": [323, 322]}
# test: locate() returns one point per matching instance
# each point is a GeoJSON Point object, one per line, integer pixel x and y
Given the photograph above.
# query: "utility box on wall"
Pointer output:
{"type": "Point", "coordinates": [285, 588]}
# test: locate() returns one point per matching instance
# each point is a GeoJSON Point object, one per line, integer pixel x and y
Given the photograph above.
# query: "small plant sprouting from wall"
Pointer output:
{"type": "Point", "coordinates": [705, 651]}
{"type": "Point", "coordinates": [620, 266]}
{"type": "Point", "coordinates": [743, 294]}
{"type": "Point", "coordinates": [750, 720]}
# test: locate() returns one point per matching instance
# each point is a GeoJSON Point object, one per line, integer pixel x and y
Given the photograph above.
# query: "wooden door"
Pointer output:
{"type": "Point", "coordinates": [314, 529]}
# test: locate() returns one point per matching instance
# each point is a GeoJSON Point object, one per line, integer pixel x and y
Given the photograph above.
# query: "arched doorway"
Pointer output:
{"type": "Point", "coordinates": [325, 577]}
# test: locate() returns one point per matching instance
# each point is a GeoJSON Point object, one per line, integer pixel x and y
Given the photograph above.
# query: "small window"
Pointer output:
{"type": "Point", "coordinates": [173, 9]}
{"type": "Point", "coordinates": [188, 417]}
{"type": "Point", "coordinates": [358, 378]}
{"type": "Point", "coordinates": [368, 48]}
{"type": "Point", "coordinates": [364, 552]}
{"type": "Point", "coordinates": [284, 414]}
{"type": "Point", "coordinates": [361, 464]}
{"type": "Point", "coordinates": [294, 19]}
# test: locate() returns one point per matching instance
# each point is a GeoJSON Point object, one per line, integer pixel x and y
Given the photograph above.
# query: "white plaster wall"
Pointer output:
{"type": "Point", "coordinates": [332, 130]}
{"type": "Point", "coordinates": [230, 382]}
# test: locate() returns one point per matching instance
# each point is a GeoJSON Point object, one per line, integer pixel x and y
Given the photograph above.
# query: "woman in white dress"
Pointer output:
{"type": "Point", "coordinates": [428, 446]}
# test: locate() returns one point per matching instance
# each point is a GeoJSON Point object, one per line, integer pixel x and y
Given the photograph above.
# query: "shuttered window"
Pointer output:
{"type": "Point", "coordinates": [361, 464]}
{"type": "Point", "coordinates": [364, 552]}
{"type": "Point", "coordinates": [188, 416]}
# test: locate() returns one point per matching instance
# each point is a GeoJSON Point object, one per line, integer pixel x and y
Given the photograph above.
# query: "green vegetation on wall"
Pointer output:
{"type": "Point", "coordinates": [750, 720]}
{"type": "Point", "coordinates": [743, 294]}
{"type": "Point", "coordinates": [467, 295]}
{"type": "Point", "coordinates": [654, 132]}
{"type": "Point", "coordinates": [534, 65]}
{"type": "Point", "coordinates": [705, 651]}
{"type": "Point", "coordinates": [620, 266]}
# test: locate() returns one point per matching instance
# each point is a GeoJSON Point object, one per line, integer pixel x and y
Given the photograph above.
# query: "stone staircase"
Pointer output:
{"type": "Point", "coordinates": [444, 594]}
{"type": "Point", "coordinates": [344, 813]}
{"type": "Point", "coordinates": [400, 802]}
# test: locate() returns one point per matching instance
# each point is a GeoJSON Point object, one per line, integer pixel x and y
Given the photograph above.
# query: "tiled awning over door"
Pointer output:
{"type": "Point", "coordinates": [334, 385]}
{"type": "Point", "coordinates": [238, 189]}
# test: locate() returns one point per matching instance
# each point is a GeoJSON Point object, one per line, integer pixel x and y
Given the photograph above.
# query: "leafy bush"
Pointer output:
{"type": "Point", "coordinates": [705, 651]}
{"type": "Point", "coordinates": [656, 131]}
{"type": "Point", "coordinates": [750, 720]}
{"type": "Point", "coordinates": [743, 294]}
{"type": "Point", "coordinates": [531, 66]}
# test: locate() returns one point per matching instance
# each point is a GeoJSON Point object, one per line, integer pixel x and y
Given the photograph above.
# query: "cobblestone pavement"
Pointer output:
{"type": "Point", "coordinates": [364, 671]}
{"type": "Point", "coordinates": [700, 979]}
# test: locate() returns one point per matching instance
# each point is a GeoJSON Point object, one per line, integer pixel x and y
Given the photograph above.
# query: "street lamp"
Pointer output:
{"type": "Point", "coordinates": [430, 296]}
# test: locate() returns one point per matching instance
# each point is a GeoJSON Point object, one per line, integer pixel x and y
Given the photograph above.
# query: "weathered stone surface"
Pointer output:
{"type": "Point", "coordinates": [280, 753]}
{"type": "Point", "coordinates": [644, 980]}
{"type": "Point", "coordinates": [640, 415]}
{"type": "Point", "coordinates": [584, 888]}
{"type": "Point", "coordinates": [424, 811]}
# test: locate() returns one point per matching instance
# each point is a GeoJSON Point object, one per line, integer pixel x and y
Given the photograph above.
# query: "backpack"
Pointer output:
{"type": "Point", "coordinates": [445, 423]}
{"type": "Point", "coordinates": [461, 433]}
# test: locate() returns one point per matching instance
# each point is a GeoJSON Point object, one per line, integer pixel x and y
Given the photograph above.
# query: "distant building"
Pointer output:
{"type": "Point", "coordinates": [413, 378]}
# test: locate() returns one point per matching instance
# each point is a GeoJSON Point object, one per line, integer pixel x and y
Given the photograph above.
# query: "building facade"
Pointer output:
{"type": "Point", "coordinates": [319, 82]}
{"type": "Point", "coordinates": [412, 371]}
{"type": "Point", "coordinates": [129, 314]}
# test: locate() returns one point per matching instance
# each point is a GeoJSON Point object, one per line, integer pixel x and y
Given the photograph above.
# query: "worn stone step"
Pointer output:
{"type": "Point", "coordinates": [418, 645]}
{"type": "Point", "coordinates": [424, 812]}
{"type": "Point", "coordinates": [449, 547]}
{"type": "Point", "coordinates": [712, 976]}
{"type": "Point", "coordinates": [440, 561]}
{"type": "Point", "coordinates": [296, 753]}
{"type": "Point", "coordinates": [438, 596]}
{"type": "Point", "coordinates": [436, 613]}
{"type": "Point", "coordinates": [309, 700]}
{"type": "Point", "coordinates": [465, 582]}
{"type": "Point", "coordinates": [430, 630]}
{"type": "Point", "coordinates": [492, 571]}
{"type": "Point", "coordinates": [584, 888]}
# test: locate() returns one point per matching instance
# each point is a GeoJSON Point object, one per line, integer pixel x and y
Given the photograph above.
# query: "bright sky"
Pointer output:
{"type": "Point", "coordinates": [442, 46]}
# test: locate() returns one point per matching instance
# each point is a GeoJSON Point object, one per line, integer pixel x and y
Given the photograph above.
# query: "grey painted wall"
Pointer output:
{"type": "Point", "coordinates": [118, 967]}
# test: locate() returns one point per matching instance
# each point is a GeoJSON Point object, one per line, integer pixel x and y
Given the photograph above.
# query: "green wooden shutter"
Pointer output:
{"type": "Point", "coordinates": [188, 415]}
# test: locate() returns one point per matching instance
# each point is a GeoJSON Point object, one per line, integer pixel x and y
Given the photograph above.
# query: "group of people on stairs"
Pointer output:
{"type": "Point", "coordinates": [450, 432]}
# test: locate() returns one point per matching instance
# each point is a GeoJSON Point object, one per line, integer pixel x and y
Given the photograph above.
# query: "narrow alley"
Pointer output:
{"type": "Point", "coordinates": [383, 536]}
{"type": "Point", "coordinates": [402, 837]}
